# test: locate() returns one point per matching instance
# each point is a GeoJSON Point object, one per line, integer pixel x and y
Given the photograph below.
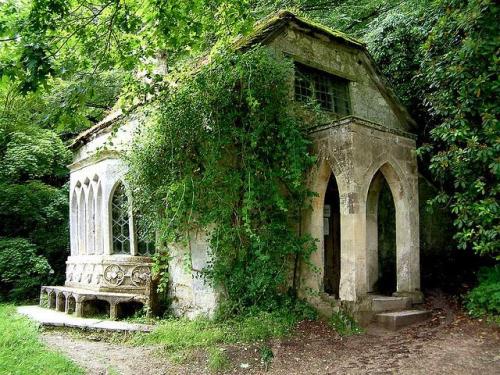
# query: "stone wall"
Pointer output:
{"type": "Point", "coordinates": [190, 293]}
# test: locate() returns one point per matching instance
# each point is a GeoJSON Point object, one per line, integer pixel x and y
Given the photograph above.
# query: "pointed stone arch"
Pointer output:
{"type": "Point", "coordinates": [406, 249]}
{"type": "Point", "coordinates": [91, 222]}
{"type": "Point", "coordinates": [99, 245]}
{"type": "Point", "coordinates": [74, 222]}
{"type": "Point", "coordinates": [81, 223]}
{"type": "Point", "coordinates": [325, 172]}
{"type": "Point", "coordinates": [120, 220]}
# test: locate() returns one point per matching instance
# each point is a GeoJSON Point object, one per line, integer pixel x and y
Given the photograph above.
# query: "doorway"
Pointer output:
{"type": "Point", "coordinates": [381, 237]}
{"type": "Point", "coordinates": [387, 280]}
{"type": "Point", "coordinates": [331, 233]}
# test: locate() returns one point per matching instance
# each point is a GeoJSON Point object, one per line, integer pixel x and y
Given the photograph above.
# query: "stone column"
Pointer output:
{"type": "Point", "coordinates": [408, 246]}
{"type": "Point", "coordinates": [113, 310]}
{"type": "Point", "coordinates": [352, 262]}
{"type": "Point", "coordinates": [79, 309]}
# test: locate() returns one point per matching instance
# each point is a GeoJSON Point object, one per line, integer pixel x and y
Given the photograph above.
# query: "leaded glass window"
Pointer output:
{"type": "Point", "coordinates": [121, 228]}
{"type": "Point", "coordinates": [145, 247]}
{"type": "Point", "coordinates": [329, 91]}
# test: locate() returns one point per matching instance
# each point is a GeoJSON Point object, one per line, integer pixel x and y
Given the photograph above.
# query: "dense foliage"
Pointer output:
{"type": "Point", "coordinates": [33, 175]}
{"type": "Point", "coordinates": [461, 67]}
{"type": "Point", "coordinates": [33, 207]}
{"type": "Point", "coordinates": [21, 269]}
{"type": "Point", "coordinates": [228, 156]}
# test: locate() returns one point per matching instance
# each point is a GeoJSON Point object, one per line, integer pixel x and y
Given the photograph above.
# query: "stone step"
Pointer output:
{"type": "Point", "coordinates": [399, 319]}
{"type": "Point", "coordinates": [385, 303]}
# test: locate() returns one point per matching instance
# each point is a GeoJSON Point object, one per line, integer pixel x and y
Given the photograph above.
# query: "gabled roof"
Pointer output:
{"type": "Point", "coordinates": [264, 32]}
{"type": "Point", "coordinates": [272, 25]}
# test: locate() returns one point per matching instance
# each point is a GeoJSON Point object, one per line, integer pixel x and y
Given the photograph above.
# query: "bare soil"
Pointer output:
{"type": "Point", "coordinates": [449, 343]}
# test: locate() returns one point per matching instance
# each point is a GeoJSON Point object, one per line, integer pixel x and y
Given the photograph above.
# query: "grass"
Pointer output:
{"type": "Point", "coordinates": [180, 334]}
{"type": "Point", "coordinates": [181, 337]}
{"type": "Point", "coordinates": [21, 351]}
{"type": "Point", "coordinates": [218, 360]}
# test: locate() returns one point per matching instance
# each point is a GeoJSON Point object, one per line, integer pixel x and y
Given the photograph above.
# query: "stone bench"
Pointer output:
{"type": "Point", "coordinates": [83, 302]}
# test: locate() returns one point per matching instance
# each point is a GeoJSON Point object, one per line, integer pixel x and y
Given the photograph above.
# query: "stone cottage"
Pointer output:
{"type": "Point", "coordinates": [368, 143]}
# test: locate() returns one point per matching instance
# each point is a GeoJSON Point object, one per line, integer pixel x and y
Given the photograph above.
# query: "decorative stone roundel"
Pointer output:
{"type": "Point", "coordinates": [140, 275]}
{"type": "Point", "coordinates": [114, 274]}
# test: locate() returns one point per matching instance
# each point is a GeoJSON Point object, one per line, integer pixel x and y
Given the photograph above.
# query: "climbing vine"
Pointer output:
{"type": "Point", "coordinates": [227, 154]}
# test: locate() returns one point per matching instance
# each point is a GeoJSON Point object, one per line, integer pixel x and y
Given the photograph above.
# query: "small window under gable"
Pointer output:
{"type": "Point", "coordinates": [329, 91]}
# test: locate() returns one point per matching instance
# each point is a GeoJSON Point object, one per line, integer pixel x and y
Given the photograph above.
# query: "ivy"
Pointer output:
{"type": "Point", "coordinates": [224, 152]}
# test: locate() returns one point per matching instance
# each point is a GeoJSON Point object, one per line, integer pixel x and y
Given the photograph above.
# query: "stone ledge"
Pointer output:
{"type": "Point", "coordinates": [51, 318]}
{"type": "Point", "coordinates": [92, 293]}
{"type": "Point", "coordinates": [399, 319]}
{"type": "Point", "coordinates": [348, 120]}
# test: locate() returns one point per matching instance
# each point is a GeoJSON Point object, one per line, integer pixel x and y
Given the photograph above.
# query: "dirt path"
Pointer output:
{"type": "Point", "coordinates": [103, 358]}
{"type": "Point", "coordinates": [450, 343]}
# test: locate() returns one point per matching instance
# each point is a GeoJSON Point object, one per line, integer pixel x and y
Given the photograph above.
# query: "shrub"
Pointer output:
{"type": "Point", "coordinates": [484, 299]}
{"type": "Point", "coordinates": [266, 356]}
{"type": "Point", "coordinates": [22, 271]}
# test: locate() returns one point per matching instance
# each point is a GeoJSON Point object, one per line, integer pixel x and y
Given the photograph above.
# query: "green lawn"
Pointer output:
{"type": "Point", "coordinates": [21, 351]}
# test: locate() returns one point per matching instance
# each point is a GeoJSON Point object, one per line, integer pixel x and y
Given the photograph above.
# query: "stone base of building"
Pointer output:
{"type": "Point", "coordinates": [365, 309]}
{"type": "Point", "coordinates": [86, 303]}
{"type": "Point", "coordinates": [109, 273]}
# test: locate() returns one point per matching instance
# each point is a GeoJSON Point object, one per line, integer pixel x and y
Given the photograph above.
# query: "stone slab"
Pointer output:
{"type": "Point", "coordinates": [52, 318]}
{"type": "Point", "coordinates": [90, 292]}
{"type": "Point", "coordinates": [400, 319]}
{"type": "Point", "coordinates": [386, 303]}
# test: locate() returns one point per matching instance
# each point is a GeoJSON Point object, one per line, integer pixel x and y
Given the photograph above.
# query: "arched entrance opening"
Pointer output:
{"type": "Point", "coordinates": [331, 233]}
{"type": "Point", "coordinates": [95, 308]}
{"type": "Point", "coordinates": [52, 300]}
{"type": "Point", "coordinates": [381, 237]}
{"type": "Point", "coordinates": [387, 279]}
{"type": "Point", "coordinates": [61, 302]}
{"type": "Point", "coordinates": [71, 304]}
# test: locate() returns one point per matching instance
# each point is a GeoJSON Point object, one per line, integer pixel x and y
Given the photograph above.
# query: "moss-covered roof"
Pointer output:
{"type": "Point", "coordinates": [269, 26]}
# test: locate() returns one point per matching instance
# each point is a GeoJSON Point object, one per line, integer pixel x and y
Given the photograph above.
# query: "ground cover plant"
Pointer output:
{"type": "Point", "coordinates": [22, 353]}
{"type": "Point", "coordinates": [344, 324]}
{"type": "Point", "coordinates": [181, 338]}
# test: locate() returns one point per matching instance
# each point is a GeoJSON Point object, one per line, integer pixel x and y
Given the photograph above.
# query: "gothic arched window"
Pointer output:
{"type": "Point", "coordinates": [120, 217]}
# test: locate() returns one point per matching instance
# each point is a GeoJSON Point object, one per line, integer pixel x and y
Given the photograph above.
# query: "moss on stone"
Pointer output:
{"type": "Point", "coordinates": [273, 23]}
